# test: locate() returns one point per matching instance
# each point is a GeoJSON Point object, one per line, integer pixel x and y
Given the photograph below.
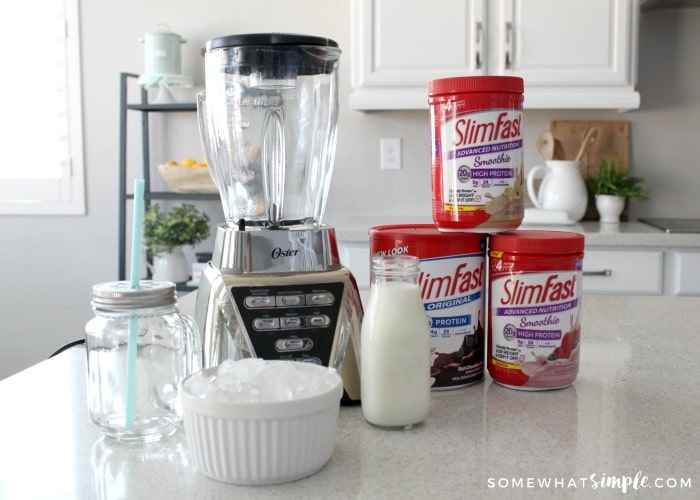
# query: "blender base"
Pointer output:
{"type": "Point", "coordinates": [307, 313]}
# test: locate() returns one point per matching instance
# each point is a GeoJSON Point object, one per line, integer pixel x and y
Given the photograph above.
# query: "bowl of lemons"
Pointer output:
{"type": "Point", "coordinates": [188, 176]}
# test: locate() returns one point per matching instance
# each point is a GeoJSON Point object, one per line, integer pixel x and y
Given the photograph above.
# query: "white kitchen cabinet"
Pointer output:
{"type": "Point", "coordinates": [397, 48]}
{"type": "Point", "coordinates": [623, 271]}
{"type": "Point", "coordinates": [355, 256]}
{"type": "Point", "coordinates": [571, 53]}
{"type": "Point", "coordinates": [684, 272]}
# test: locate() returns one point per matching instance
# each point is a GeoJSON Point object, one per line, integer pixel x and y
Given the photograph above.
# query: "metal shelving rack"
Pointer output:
{"type": "Point", "coordinates": [144, 109]}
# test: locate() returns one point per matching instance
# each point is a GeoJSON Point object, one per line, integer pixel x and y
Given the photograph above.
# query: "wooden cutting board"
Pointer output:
{"type": "Point", "coordinates": [613, 141]}
{"type": "Point", "coordinates": [613, 144]}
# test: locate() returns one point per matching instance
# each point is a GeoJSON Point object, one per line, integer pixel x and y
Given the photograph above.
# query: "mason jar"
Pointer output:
{"type": "Point", "coordinates": [139, 348]}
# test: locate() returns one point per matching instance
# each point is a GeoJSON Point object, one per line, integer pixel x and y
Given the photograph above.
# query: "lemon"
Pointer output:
{"type": "Point", "coordinates": [188, 162]}
{"type": "Point", "coordinates": [171, 163]}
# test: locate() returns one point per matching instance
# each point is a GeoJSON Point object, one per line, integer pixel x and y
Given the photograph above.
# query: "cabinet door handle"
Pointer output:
{"type": "Point", "coordinates": [477, 44]}
{"type": "Point", "coordinates": [604, 273]}
{"type": "Point", "coordinates": [508, 46]}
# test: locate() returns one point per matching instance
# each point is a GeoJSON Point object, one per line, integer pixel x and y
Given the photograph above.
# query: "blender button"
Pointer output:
{"type": "Point", "coordinates": [320, 320]}
{"type": "Point", "coordinates": [314, 361]}
{"type": "Point", "coordinates": [293, 322]}
{"type": "Point", "coordinates": [266, 323]}
{"type": "Point", "coordinates": [258, 301]}
{"type": "Point", "coordinates": [293, 344]}
{"type": "Point", "coordinates": [321, 299]}
{"type": "Point", "coordinates": [290, 300]}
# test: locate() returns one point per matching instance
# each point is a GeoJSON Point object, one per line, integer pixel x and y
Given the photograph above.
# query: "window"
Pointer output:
{"type": "Point", "coordinates": [41, 139]}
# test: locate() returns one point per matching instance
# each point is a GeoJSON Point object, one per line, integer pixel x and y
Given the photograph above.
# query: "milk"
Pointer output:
{"type": "Point", "coordinates": [395, 356]}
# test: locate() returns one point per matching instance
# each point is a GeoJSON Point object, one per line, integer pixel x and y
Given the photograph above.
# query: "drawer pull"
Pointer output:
{"type": "Point", "coordinates": [604, 272]}
{"type": "Point", "coordinates": [477, 46]}
{"type": "Point", "coordinates": [508, 45]}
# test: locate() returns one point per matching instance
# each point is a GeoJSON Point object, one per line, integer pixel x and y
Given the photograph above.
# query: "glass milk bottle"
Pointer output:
{"type": "Point", "coordinates": [139, 349]}
{"type": "Point", "coordinates": [395, 346]}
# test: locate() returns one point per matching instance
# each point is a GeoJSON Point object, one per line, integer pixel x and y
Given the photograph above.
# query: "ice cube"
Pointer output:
{"type": "Point", "coordinates": [247, 394]}
{"type": "Point", "coordinates": [244, 368]}
{"type": "Point", "coordinates": [229, 382]}
{"type": "Point", "coordinates": [200, 385]}
{"type": "Point", "coordinates": [277, 390]}
{"type": "Point", "coordinates": [257, 380]}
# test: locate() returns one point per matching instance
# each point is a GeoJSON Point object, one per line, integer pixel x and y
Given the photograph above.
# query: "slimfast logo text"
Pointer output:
{"type": "Point", "coordinates": [472, 131]}
{"type": "Point", "coordinates": [554, 289]}
{"type": "Point", "coordinates": [461, 281]}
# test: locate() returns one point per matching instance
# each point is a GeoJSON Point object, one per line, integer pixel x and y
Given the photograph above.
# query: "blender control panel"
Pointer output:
{"type": "Point", "coordinates": [295, 322]}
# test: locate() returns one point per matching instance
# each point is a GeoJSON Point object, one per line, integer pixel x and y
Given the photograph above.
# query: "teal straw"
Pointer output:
{"type": "Point", "coordinates": [136, 236]}
{"type": "Point", "coordinates": [133, 320]}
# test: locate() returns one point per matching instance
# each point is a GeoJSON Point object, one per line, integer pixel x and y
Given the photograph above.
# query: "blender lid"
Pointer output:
{"type": "Point", "coordinates": [268, 39]}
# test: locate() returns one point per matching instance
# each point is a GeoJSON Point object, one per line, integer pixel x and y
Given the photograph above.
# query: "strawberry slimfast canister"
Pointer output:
{"type": "Point", "coordinates": [452, 286]}
{"type": "Point", "coordinates": [534, 330]}
{"type": "Point", "coordinates": [477, 157]}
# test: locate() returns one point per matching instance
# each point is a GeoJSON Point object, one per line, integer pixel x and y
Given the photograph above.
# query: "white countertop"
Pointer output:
{"type": "Point", "coordinates": [633, 410]}
{"type": "Point", "coordinates": [630, 234]}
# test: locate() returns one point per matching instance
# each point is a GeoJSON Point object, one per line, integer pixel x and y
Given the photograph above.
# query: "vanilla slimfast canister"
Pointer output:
{"type": "Point", "coordinates": [451, 280]}
{"type": "Point", "coordinates": [477, 157]}
{"type": "Point", "coordinates": [534, 328]}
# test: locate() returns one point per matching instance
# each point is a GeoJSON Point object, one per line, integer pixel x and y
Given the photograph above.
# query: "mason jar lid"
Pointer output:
{"type": "Point", "coordinates": [119, 296]}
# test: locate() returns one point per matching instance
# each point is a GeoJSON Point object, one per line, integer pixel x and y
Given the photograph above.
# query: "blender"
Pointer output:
{"type": "Point", "coordinates": [275, 287]}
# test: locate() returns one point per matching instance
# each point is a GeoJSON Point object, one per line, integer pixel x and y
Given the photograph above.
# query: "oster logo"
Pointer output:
{"type": "Point", "coordinates": [279, 253]}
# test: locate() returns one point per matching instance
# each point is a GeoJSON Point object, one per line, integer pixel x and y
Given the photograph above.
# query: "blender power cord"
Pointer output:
{"type": "Point", "coordinates": [67, 346]}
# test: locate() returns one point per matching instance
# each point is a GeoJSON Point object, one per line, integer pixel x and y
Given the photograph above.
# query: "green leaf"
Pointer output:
{"type": "Point", "coordinates": [611, 180]}
{"type": "Point", "coordinates": [184, 225]}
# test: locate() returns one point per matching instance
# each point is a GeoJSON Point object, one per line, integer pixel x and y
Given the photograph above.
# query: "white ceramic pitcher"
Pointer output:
{"type": "Point", "coordinates": [562, 188]}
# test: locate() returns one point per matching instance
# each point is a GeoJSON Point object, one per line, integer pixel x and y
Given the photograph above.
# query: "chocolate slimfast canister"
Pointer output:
{"type": "Point", "coordinates": [477, 157]}
{"type": "Point", "coordinates": [452, 278]}
{"type": "Point", "coordinates": [534, 328]}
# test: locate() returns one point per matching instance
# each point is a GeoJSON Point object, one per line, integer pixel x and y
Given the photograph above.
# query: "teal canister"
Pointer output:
{"type": "Point", "coordinates": [162, 52]}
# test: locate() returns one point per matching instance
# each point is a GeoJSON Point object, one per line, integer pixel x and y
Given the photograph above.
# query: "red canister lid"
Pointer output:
{"type": "Point", "coordinates": [460, 84]}
{"type": "Point", "coordinates": [425, 240]}
{"type": "Point", "coordinates": [537, 242]}
{"type": "Point", "coordinates": [423, 232]}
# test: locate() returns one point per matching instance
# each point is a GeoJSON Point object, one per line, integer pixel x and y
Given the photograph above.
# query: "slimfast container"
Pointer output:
{"type": "Point", "coordinates": [534, 331]}
{"type": "Point", "coordinates": [452, 278]}
{"type": "Point", "coordinates": [477, 157]}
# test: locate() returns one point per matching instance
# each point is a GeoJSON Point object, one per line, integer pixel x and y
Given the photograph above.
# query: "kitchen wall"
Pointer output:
{"type": "Point", "coordinates": [49, 263]}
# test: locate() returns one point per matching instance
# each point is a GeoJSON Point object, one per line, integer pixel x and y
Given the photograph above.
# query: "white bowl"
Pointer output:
{"type": "Point", "coordinates": [256, 443]}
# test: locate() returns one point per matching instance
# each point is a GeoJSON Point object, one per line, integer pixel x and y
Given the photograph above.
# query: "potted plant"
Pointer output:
{"type": "Point", "coordinates": [611, 186]}
{"type": "Point", "coordinates": [165, 234]}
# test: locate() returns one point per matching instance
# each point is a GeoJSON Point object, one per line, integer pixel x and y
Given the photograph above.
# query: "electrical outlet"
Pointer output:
{"type": "Point", "coordinates": [390, 153]}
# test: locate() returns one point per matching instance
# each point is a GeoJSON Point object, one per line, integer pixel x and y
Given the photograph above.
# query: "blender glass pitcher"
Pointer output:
{"type": "Point", "coordinates": [268, 126]}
